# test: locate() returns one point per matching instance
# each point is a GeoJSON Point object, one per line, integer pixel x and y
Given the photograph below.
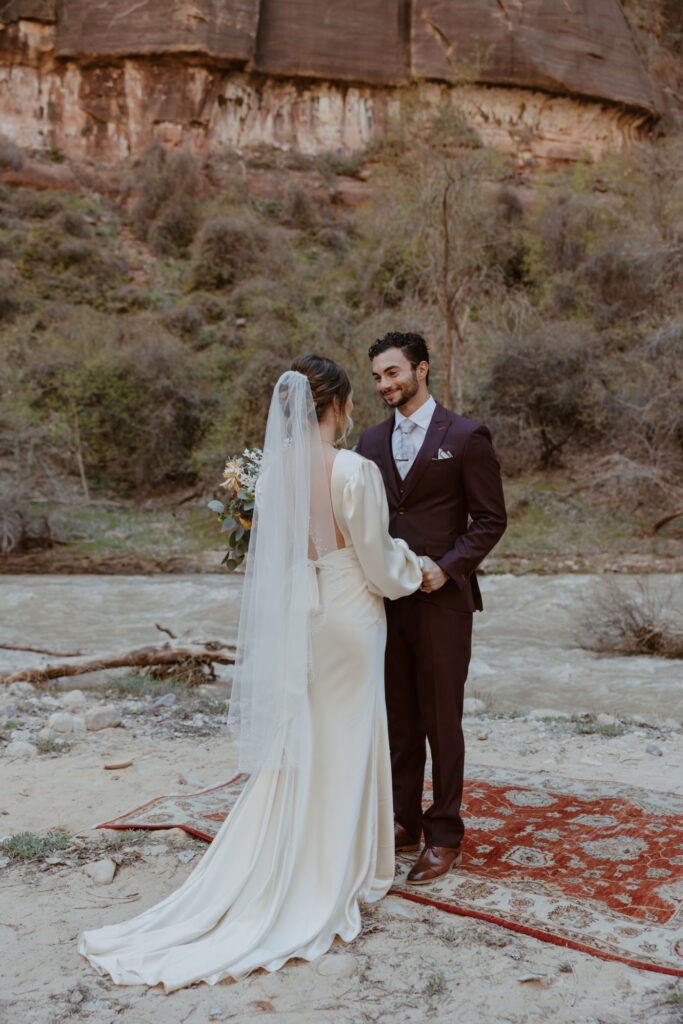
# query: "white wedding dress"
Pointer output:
{"type": "Point", "coordinates": [304, 844]}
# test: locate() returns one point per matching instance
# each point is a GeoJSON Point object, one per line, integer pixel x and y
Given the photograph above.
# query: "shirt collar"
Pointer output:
{"type": "Point", "coordinates": [421, 416]}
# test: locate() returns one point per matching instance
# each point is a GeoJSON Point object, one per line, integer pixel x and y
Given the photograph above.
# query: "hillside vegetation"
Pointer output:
{"type": "Point", "coordinates": [141, 335]}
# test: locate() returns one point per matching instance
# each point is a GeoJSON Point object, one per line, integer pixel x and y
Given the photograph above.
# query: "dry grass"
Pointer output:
{"type": "Point", "coordinates": [634, 618]}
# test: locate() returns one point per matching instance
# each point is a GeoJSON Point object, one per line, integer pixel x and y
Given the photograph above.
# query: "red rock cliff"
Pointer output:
{"type": "Point", "coordinates": [99, 78]}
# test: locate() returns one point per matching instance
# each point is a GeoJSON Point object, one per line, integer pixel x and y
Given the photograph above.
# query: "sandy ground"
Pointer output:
{"type": "Point", "coordinates": [411, 963]}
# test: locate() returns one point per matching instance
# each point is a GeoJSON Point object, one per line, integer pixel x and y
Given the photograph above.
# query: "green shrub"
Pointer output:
{"type": "Point", "coordinates": [186, 321]}
{"type": "Point", "coordinates": [298, 209]}
{"type": "Point", "coordinates": [37, 205]}
{"type": "Point", "coordinates": [172, 232]}
{"type": "Point", "coordinates": [28, 846]}
{"type": "Point", "coordinates": [10, 156]}
{"type": "Point", "coordinates": [225, 252]}
{"type": "Point", "coordinates": [72, 222]}
{"type": "Point", "coordinates": [124, 398]}
{"type": "Point", "coordinates": [9, 283]}
{"type": "Point", "coordinates": [164, 212]}
{"type": "Point", "coordinates": [538, 392]}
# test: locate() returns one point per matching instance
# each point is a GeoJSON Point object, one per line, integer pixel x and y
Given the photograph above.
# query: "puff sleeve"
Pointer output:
{"type": "Point", "coordinates": [390, 567]}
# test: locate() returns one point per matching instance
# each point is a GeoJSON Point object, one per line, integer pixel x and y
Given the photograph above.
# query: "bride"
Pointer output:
{"type": "Point", "coordinates": [312, 833]}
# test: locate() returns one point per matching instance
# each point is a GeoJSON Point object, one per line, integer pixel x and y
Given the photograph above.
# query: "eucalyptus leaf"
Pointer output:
{"type": "Point", "coordinates": [228, 524]}
{"type": "Point", "coordinates": [216, 506]}
{"type": "Point", "coordinates": [239, 532]}
{"type": "Point", "coordinates": [231, 563]}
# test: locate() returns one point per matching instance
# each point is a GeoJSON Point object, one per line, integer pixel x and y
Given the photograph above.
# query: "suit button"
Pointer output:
{"type": "Point", "coordinates": [401, 511]}
{"type": "Point", "coordinates": [401, 490]}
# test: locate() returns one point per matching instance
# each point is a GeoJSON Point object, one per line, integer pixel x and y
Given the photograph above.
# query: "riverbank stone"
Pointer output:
{"type": "Point", "coordinates": [20, 748]}
{"type": "Point", "coordinates": [538, 714]}
{"type": "Point", "coordinates": [106, 717]}
{"type": "Point", "coordinates": [65, 722]}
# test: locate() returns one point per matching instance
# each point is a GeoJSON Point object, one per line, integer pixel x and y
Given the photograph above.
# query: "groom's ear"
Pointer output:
{"type": "Point", "coordinates": [422, 369]}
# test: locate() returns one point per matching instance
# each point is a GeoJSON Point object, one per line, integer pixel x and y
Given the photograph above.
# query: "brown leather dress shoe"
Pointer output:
{"type": "Point", "coordinates": [433, 862]}
{"type": "Point", "coordinates": [403, 841]}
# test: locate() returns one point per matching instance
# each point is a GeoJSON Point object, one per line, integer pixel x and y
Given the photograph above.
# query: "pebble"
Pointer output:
{"type": "Point", "coordinates": [604, 719]}
{"type": "Point", "coordinates": [101, 871]}
{"type": "Point", "coordinates": [20, 748]}
{"type": "Point", "coordinates": [473, 706]}
{"type": "Point", "coordinates": [73, 697]}
{"type": "Point", "coordinates": [167, 700]}
{"type": "Point", "coordinates": [20, 690]}
{"type": "Point", "coordinates": [483, 736]}
{"type": "Point", "coordinates": [105, 717]}
{"type": "Point", "coordinates": [46, 734]}
{"type": "Point", "coordinates": [538, 714]}
{"type": "Point", "coordinates": [185, 856]}
{"type": "Point", "coordinates": [155, 850]}
{"type": "Point", "coordinates": [76, 997]}
{"type": "Point", "coordinates": [339, 965]}
{"type": "Point", "coordinates": [188, 779]}
{"type": "Point", "coordinates": [176, 836]}
{"type": "Point", "coordinates": [64, 721]}
{"type": "Point", "coordinates": [651, 748]}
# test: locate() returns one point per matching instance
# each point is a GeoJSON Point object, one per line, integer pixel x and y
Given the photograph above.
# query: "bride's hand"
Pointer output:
{"type": "Point", "coordinates": [433, 577]}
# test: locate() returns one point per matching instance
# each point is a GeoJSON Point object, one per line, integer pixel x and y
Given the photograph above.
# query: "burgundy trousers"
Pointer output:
{"type": "Point", "coordinates": [427, 659]}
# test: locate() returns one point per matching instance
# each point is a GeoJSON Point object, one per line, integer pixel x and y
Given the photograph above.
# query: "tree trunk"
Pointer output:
{"type": "Point", "coordinates": [79, 454]}
{"type": "Point", "coordinates": [447, 304]}
{"type": "Point", "coordinates": [153, 654]}
{"type": "Point", "coordinates": [460, 328]}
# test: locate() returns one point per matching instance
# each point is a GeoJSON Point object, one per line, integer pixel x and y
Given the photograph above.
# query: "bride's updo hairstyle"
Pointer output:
{"type": "Point", "coordinates": [328, 381]}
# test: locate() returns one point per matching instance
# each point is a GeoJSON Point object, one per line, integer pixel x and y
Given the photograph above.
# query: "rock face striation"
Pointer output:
{"type": "Point", "coordinates": [100, 79]}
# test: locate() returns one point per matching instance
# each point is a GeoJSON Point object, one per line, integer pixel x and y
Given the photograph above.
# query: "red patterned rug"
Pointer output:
{"type": "Point", "coordinates": [593, 866]}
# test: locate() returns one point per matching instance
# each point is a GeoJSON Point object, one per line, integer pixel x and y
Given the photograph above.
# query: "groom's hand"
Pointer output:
{"type": "Point", "coordinates": [433, 577]}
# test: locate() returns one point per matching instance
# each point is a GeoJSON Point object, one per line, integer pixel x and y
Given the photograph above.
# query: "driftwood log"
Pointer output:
{"type": "Point", "coordinates": [663, 521]}
{"type": "Point", "coordinates": [169, 653]}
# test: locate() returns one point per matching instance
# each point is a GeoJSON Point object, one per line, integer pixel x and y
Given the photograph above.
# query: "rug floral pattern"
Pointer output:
{"type": "Point", "coordinates": [591, 865]}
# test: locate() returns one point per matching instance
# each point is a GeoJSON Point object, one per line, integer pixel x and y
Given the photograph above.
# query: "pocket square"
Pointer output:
{"type": "Point", "coordinates": [443, 454]}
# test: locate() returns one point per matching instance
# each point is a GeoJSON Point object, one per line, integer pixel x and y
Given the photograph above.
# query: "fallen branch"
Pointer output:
{"type": "Point", "coordinates": [663, 521]}
{"type": "Point", "coordinates": [160, 654]}
{"type": "Point", "coordinates": [41, 650]}
{"type": "Point", "coordinates": [162, 629]}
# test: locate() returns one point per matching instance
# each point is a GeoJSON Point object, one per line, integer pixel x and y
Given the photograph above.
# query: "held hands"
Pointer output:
{"type": "Point", "coordinates": [433, 577]}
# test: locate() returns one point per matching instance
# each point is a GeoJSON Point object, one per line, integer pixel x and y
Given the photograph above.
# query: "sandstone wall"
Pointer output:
{"type": "Point", "coordinates": [579, 46]}
{"type": "Point", "coordinates": [357, 40]}
{"type": "Point", "coordinates": [101, 79]}
{"type": "Point", "coordinates": [100, 28]}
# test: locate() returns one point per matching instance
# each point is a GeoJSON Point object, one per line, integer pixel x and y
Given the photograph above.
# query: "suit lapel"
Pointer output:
{"type": "Point", "coordinates": [388, 466]}
{"type": "Point", "coordinates": [436, 431]}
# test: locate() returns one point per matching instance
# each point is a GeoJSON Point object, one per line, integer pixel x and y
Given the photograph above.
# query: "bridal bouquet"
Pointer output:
{"type": "Point", "coordinates": [235, 516]}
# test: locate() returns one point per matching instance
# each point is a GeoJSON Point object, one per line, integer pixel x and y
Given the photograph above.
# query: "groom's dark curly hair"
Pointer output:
{"type": "Point", "coordinates": [413, 346]}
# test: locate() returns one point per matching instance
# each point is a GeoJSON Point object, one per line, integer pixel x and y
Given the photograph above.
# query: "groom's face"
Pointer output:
{"type": "Point", "coordinates": [395, 379]}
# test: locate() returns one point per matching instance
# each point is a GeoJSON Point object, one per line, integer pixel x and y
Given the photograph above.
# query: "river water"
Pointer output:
{"type": "Point", "coordinates": [525, 650]}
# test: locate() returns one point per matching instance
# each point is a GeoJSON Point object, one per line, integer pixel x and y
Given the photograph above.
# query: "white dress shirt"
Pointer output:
{"type": "Point", "coordinates": [422, 417]}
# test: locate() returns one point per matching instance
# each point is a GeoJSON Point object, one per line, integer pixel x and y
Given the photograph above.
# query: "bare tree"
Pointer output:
{"type": "Point", "coordinates": [453, 221]}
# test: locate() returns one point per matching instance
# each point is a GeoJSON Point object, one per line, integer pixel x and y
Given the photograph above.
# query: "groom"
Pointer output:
{"type": "Point", "coordinates": [440, 473]}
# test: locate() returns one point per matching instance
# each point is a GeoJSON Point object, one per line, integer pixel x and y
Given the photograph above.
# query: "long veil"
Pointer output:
{"type": "Point", "coordinates": [293, 527]}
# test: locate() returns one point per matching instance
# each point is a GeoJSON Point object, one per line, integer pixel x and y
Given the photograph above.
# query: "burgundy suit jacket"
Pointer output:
{"type": "Point", "coordinates": [451, 509]}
